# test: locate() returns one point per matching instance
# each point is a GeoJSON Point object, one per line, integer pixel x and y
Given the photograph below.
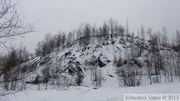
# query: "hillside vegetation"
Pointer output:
{"type": "Point", "coordinates": [95, 57]}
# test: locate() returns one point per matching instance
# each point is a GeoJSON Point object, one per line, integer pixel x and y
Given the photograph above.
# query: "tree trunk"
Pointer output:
{"type": "Point", "coordinates": [149, 74]}
{"type": "Point", "coordinates": [171, 75]}
{"type": "Point", "coordinates": [165, 76]}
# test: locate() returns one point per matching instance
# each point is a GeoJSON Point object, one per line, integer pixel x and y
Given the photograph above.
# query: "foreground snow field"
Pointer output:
{"type": "Point", "coordinates": [90, 94]}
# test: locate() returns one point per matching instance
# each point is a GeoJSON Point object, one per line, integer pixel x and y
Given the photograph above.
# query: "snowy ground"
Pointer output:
{"type": "Point", "coordinates": [90, 94]}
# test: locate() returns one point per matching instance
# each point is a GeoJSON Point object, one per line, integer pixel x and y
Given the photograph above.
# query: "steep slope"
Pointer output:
{"type": "Point", "coordinates": [108, 60]}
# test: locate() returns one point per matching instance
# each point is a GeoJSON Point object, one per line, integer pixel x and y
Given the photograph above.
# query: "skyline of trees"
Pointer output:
{"type": "Point", "coordinates": [86, 33]}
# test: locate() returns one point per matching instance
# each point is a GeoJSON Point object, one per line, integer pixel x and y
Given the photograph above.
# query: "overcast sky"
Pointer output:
{"type": "Point", "coordinates": [50, 16]}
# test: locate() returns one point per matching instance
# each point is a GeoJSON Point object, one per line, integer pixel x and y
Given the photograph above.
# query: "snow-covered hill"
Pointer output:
{"type": "Point", "coordinates": [103, 70]}
{"type": "Point", "coordinates": [108, 60]}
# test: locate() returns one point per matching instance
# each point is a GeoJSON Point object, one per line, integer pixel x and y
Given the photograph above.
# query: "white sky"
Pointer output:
{"type": "Point", "coordinates": [50, 16]}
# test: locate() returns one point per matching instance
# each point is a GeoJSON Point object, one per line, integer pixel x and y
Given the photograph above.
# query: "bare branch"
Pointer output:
{"type": "Point", "coordinates": [11, 23]}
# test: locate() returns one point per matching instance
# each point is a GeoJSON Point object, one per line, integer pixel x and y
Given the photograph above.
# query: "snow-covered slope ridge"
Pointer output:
{"type": "Point", "coordinates": [97, 63]}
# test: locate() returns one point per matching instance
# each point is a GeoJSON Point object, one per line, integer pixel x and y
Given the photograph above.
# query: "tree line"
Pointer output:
{"type": "Point", "coordinates": [85, 35]}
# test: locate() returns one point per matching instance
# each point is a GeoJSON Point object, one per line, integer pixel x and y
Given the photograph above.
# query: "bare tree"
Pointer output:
{"type": "Point", "coordinates": [142, 33]}
{"type": "Point", "coordinates": [11, 23]}
{"type": "Point", "coordinates": [111, 26]}
{"type": "Point", "coordinates": [165, 39]}
{"type": "Point", "coordinates": [87, 34]}
{"type": "Point", "coordinates": [11, 72]}
{"type": "Point", "coordinates": [105, 29]}
{"type": "Point", "coordinates": [58, 40]}
{"type": "Point", "coordinates": [46, 75]}
{"type": "Point", "coordinates": [177, 48]}
{"type": "Point", "coordinates": [96, 75]}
